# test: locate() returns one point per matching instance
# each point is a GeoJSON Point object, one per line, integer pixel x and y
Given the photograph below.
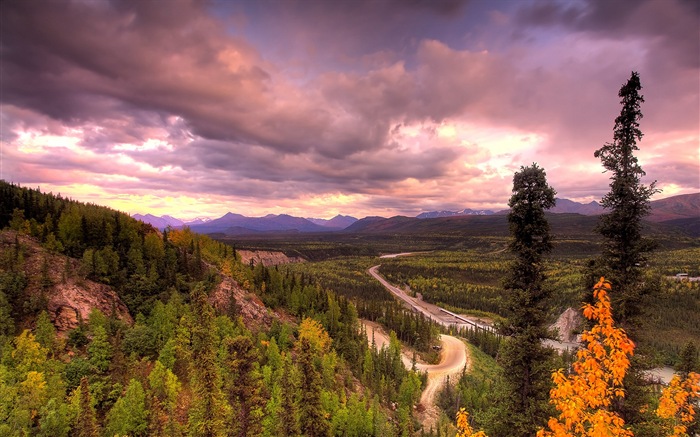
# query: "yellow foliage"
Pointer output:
{"type": "Point", "coordinates": [181, 237]}
{"type": "Point", "coordinates": [313, 331]}
{"type": "Point", "coordinates": [463, 428]}
{"type": "Point", "coordinates": [677, 403]}
{"type": "Point", "coordinates": [584, 397]}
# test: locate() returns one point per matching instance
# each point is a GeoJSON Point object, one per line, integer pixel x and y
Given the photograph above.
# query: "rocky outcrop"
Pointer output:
{"type": "Point", "coordinates": [54, 279]}
{"type": "Point", "coordinates": [73, 301]}
{"type": "Point", "coordinates": [229, 298]}
{"type": "Point", "coordinates": [568, 325]}
{"type": "Point", "coordinates": [267, 258]}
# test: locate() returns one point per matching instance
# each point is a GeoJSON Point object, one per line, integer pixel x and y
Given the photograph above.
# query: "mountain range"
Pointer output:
{"type": "Point", "coordinates": [682, 211]}
{"type": "Point", "coordinates": [164, 221]}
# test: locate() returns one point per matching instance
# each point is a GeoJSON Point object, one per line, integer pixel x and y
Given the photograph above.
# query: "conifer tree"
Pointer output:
{"type": "Point", "coordinates": [625, 250]}
{"type": "Point", "coordinates": [129, 416]}
{"type": "Point", "coordinates": [243, 387]}
{"type": "Point", "coordinates": [209, 408]}
{"type": "Point", "coordinates": [99, 350]}
{"type": "Point", "coordinates": [312, 416]}
{"type": "Point", "coordinates": [45, 332]}
{"type": "Point", "coordinates": [289, 413]}
{"type": "Point", "coordinates": [86, 424]}
{"type": "Point", "coordinates": [524, 407]}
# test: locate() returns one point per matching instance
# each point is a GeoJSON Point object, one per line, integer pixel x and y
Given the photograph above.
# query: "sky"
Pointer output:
{"type": "Point", "coordinates": [316, 108]}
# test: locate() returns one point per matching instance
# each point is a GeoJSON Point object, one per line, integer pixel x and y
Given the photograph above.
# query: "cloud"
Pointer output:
{"type": "Point", "coordinates": [395, 105]}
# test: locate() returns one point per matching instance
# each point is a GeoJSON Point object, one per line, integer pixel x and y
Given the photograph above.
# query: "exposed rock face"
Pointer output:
{"type": "Point", "coordinates": [70, 302]}
{"type": "Point", "coordinates": [568, 325]}
{"type": "Point", "coordinates": [68, 296]}
{"type": "Point", "coordinates": [267, 258]}
{"type": "Point", "coordinates": [248, 305]}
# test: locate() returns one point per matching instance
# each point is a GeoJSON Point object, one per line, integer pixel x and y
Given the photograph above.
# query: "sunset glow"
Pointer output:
{"type": "Point", "coordinates": [322, 108]}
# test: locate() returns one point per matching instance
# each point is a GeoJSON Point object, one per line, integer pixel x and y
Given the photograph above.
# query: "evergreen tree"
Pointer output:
{"type": "Point", "coordinates": [165, 388]}
{"type": "Point", "coordinates": [689, 360]}
{"type": "Point", "coordinates": [209, 407]}
{"type": "Point", "coordinates": [128, 416]}
{"type": "Point", "coordinates": [625, 250]}
{"type": "Point", "coordinates": [524, 407]}
{"type": "Point", "coordinates": [244, 385]}
{"type": "Point", "coordinates": [86, 424]}
{"type": "Point", "coordinates": [312, 416]}
{"type": "Point", "coordinates": [45, 332]}
{"type": "Point", "coordinates": [289, 413]}
{"type": "Point", "coordinates": [99, 350]}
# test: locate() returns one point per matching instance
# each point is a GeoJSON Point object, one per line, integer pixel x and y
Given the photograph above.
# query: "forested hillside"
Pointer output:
{"type": "Point", "coordinates": [188, 358]}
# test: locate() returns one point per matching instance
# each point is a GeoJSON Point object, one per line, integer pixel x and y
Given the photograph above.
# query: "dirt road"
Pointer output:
{"type": "Point", "coordinates": [453, 359]}
{"type": "Point", "coordinates": [433, 312]}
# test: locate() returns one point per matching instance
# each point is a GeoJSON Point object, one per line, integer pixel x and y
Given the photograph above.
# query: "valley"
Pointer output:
{"type": "Point", "coordinates": [107, 300]}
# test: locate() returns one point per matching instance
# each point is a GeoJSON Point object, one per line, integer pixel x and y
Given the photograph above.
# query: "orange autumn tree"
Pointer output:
{"type": "Point", "coordinates": [463, 427]}
{"type": "Point", "coordinates": [584, 397]}
{"type": "Point", "coordinates": [677, 401]}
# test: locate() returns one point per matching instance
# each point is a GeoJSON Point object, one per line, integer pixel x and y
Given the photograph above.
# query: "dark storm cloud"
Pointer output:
{"type": "Point", "coordinates": [673, 23]}
{"type": "Point", "coordinates": [94, 60]}
{"type": "Point", "coordinates": [342, 30]}
{"type": "Point", "coordinates": [286, 99]}
{"type": "Point", "coordinates": [122, 59]}
{"type": "Point", "coordinates": [360, 173]}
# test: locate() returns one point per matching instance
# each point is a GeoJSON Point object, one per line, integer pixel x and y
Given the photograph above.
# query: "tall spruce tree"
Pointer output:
{"type": "Point", "coordinates": [625, 250]}
{"type": "Point", "coordinates": [526, 376]}
{"type": "Point", "coordinates": [289, 413]}
{"type": "Point", "coordinates": [209, 406]}
{"type": "Point", "coordinates": [311, 414]}
{"type": "Point", "coordinates": [86, 423]}
{"type": "Point", "coordinates": [243, 387]}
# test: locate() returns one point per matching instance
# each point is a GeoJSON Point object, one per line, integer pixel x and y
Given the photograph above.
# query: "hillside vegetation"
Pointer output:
{"type": "Point", "coordinates": [197, 354]}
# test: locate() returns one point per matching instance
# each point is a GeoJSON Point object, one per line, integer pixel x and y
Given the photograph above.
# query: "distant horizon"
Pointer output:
{"type": "Point", "coordinates": [316, 108]}
{"type": "Point", "coordinates": [359, 216]}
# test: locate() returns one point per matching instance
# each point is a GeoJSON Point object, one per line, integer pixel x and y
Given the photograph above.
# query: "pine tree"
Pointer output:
{"type": "Point", "coordinates": [45, 332]}
{"type": "Point", "coordinates": [289, 413]}
{"type": "Point", "coordinates": [209, 407]}
{"type": "Point", "coordinates": [99, 350]}
{"type": "Point", "coordinates": [243, 387]}
{"type": "Point", "coordinates": [526, 383]}
{"type": "Point", "coordinates": [312, 416]}
{"type": "Point", "coordinates": [129, 416]}
{"type": "Point", "coordinates": [86, 424]}
{"type": "Point", "coordinates": [625, 251]}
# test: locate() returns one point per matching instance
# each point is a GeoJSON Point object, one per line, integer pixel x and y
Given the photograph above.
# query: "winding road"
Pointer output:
{"type": "Point", "coordinates": [447, 318]}
{"type": "Point", "coordinates": [453, 359]}
{"type": "Point", "coordinates": [433, 312]}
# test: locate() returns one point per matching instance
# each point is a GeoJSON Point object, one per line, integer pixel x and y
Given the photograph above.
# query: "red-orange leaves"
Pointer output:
{"type": "Point", "coordinates": [677, 404]}
{"type": "Point", "coordinates": [584, 397]}
{"type": "Point", "coordinates": [463, 427]}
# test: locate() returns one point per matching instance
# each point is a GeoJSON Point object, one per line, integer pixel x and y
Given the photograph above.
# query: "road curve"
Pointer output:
{"type": "Point", "coordinates": [429, 310]}
{"type": "Point", "coordinates": [453, 359]}
{"type": "Point", "coordinates": [447, 318]}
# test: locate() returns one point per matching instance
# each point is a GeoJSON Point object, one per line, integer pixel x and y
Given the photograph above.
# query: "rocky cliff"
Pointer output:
{"type": "Point", "coordinates": [54, 280]}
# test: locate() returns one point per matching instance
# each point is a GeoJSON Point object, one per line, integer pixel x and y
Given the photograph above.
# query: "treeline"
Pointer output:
{"type": "Point", "coordinates": [348, 277]}
{"type": "Point", "coordinates": [183, 368]}
{"type": "Point", "coordinates": [114, 248]}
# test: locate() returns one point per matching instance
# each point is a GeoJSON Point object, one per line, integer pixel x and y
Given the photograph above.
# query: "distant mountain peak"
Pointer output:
{"type": "Point", "coordinates": [466, 211]}
{"type": "Point", "coordinates": [564, 206]}
{"type": "Point", "coordinates": [337, 222]}
{"type": "Point", "coordinates": [159, 222]}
